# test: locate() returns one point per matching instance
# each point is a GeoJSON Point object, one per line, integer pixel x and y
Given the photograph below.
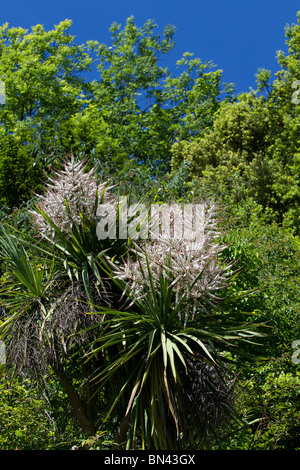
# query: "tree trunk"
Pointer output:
{"type": "Point", "coordinates": [122, 432]}
{"type": "Point", "coordinates": [86, 422]}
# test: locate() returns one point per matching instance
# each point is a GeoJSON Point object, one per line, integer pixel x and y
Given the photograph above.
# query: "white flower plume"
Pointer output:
{"type": "Point", "coordinates": [191, 266]}
{"type": "Point", "coordinates": [70, 194]}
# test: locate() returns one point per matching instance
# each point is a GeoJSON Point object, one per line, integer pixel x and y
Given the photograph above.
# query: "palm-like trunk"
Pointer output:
{"type": "Point", "coordinates": [85, 421]}
{"type": "Point", "coordinates": [120, 438]}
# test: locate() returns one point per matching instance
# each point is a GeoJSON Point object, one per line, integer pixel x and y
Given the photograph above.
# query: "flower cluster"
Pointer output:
{"type": "Point", "coordinates": [70, 194]}
{"type": "Point", "coordinates": [190, 262]}
{"type": "Point", "coordinates": [192, 266]}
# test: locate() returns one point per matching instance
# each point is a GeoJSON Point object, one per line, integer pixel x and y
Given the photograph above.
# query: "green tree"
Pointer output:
{"type": "Point", "coordinates": [47, 286]}
{"type": "Point", "coordinates": [233, 157]}
{"type": "Point", "coordinates": [139, 108]}
{"type": "Point", "coordinates": [252, 149]}
{"type": "Point", "coordinates": [171, 387]}
{"type": "Point", "coordinates": [20, 177]}
{"type": "Point", "coordinates": [269, 402]}
{"type": "Point", "coordinates": [40, 70]}
{"type": "Point", "coordinates": [126, 119]}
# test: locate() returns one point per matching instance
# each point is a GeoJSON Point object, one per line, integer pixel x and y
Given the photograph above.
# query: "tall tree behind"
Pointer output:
{"type": "Point", "coordinates": [252, 149]}
{"type": "Point", "coordinates": [139, 107]}
{"type": "Point", "coordinates": [125, 120]}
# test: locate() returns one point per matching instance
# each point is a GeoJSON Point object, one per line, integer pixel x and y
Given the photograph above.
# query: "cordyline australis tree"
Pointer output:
{"type": "Point", "coordinates": [50, 278]}
{"type": "Point", "coordinates": [170, 389]}
{"type": "Point", "coordinates": [138, 342]}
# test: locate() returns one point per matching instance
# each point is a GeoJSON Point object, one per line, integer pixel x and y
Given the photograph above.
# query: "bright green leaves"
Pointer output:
{"type": "Point", "coordinates": [39, 71]}
{"type": "Point", "coordinates": [194, 96]}
{"type": "Point", "coordinates": [27, 284]}
{"type": "Point", "coordinates": [251, 151]}
{"type": "Point", "coordinates": [127, 119]}
{"type": "Point", "coordinates": [145, 107]}
{"type": "Point", "coordinates": [20, 178]}
{"type": "Point", "coordinates": [31, 276]}
{"type": "Point", "coordinates": [43, 90]}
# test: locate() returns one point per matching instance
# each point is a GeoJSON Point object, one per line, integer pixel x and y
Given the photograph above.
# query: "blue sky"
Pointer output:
{"type": "Point", "coordinates": [239, 36]}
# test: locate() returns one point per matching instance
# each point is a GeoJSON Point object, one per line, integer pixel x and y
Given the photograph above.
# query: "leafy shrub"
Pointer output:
{"type": "Point", "coordinates": [19, 177]}
{"type": "Point", "coordinates": [32, 420]}
{"type": "Point", "coordinates": [269, 404]}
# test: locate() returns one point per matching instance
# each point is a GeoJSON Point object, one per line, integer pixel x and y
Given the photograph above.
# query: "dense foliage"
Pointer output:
{"type": "Point", "coordinates": [142, 344]}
